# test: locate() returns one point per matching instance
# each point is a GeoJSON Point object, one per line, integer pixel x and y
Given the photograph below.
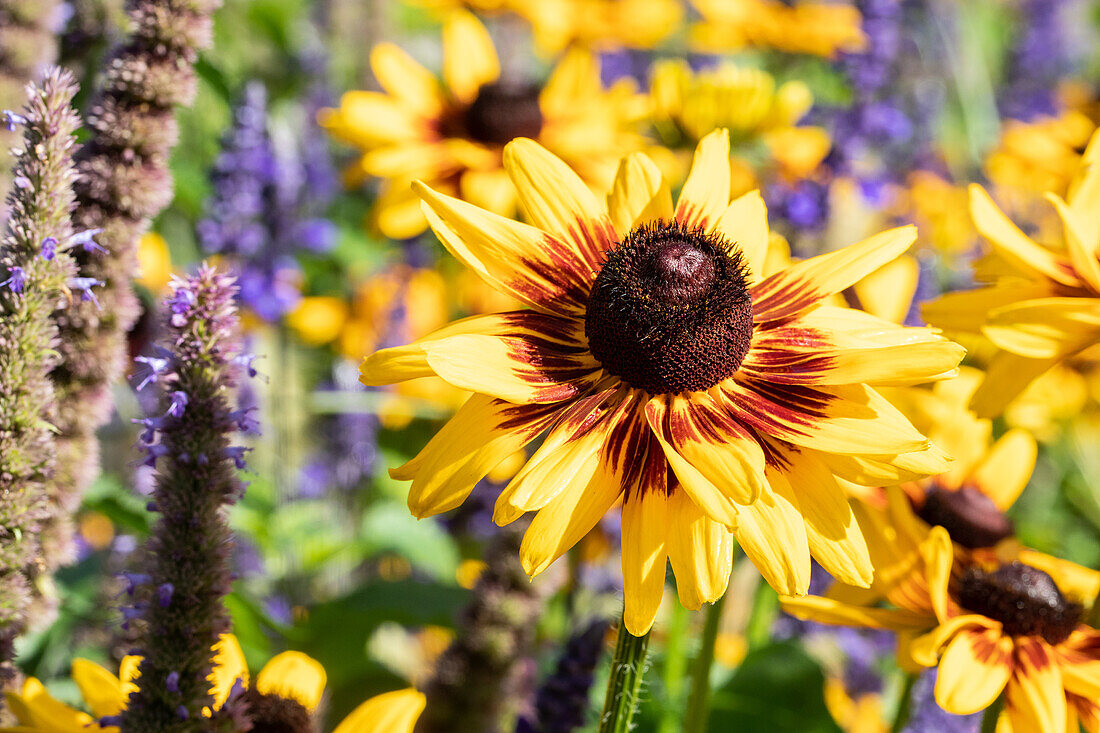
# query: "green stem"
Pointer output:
{"type": "Point", "coordinates": [675, 671]}
{"type": "Point", "coordinates": [695, 720]}
{"type": "Point", "coordinates": [904, 703]}
{"type": "Point", "coordinates": [992, 713]}
{"type": "Point", "coordinates": [624, 687]}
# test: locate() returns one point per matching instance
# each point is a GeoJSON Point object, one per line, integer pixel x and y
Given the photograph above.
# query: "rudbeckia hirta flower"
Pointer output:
{"type": "Point", "coordinates": [1046, 308]}
{"type": "Point", "coordinates": [990, 628]}
{"type": "Point", "coordinates": [450, 133]}
{"type": "Point", "coordinates": [667, 377]}
{"type": "Point", "coordinates": [600, 24]}
{"type": "Point", "coordinates": [810, 27]}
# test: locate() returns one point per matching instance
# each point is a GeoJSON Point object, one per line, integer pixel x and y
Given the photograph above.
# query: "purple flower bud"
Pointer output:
{"type": "Point", "coordinates": [84, 239]}
{"type": "Point", "coordinates": [246, 360]}
{"type": "Point", "coordinates": [152, 453]}
{"type": "Point", "coordinates": [49, 248]}
{"type": "Point", "coordinates": [181, 711]}
{"type": "Point", "coordinates": [164, 594]}
{"type": "Point", "coordinates": [156, 368]}
{"type": "Point", "coordinates": [11, 119]}
{"type": "Point", "coordinates": [17, 279]}
{"type": "Point", "coordinates": [236, 452]}
{"type": "Point", "coordinates": [244, 420]}
{"type": "Point", "coordinates": [21, 182]}
{"type": "Point", "coordinates": [85, 285]}
{"type": "Point", "coordinates": [172, 682]}
{"type": "Point", "coordinates": [178, 403]}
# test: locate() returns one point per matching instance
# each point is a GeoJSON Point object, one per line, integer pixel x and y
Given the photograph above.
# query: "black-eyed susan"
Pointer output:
{"type": "Point", "coordinates": [450, 133]}
{"type": "Point", "coordinates": [818, 28]}
{"type": "Point", "coordinates": [990, 628]}
{"type": "Point", "coordinates": [667, 376]}
{"type": "Point", "coordinates": [1044, 305]}
{"type": "Point", "coordinates": [760, 114]}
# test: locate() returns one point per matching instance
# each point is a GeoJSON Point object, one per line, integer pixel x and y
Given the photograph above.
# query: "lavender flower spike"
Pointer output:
{"type": "Point", "coordinates": [125, 182]}
{"type": "Point", "coordinates": [187, 558]}
{"type": "Point", "coordinates": [28, 339]}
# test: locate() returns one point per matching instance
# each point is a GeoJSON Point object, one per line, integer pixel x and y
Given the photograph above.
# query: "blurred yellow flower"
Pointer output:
{"type": "Point", "coordinates": [318, 320]}
{"type": "Point", "coordinates": [939, 209]}
{"type": "Point", "coordinates": [154, 262]}
{"type": "Point", "coordinates": [450, 134]}
{"type": "Point", "coordinates": [1044, 304]}
{"type": "Point", "coordinates": [391, 712]}
{"type": "Point", "coordinates": [687, 105]}
{"type": "Point", "coordinates": [818, 28]}
{"type": "Point", "coordinates": [600, 24]}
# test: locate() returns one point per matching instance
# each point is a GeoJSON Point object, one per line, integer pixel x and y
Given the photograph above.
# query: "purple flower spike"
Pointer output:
{"type": "Point", "coordinates": [172, 682]}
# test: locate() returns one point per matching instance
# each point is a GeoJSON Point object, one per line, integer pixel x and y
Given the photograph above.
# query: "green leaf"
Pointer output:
{"type": "Point", "coordinates": [778, 688]}
{"type": "Point", "coordinates": [389, 527]}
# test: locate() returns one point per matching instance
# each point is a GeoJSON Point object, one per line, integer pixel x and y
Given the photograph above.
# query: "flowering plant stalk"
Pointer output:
{"type": "Point", "coordinates": [187, 572]}
{"type": "Point", "coordinates": [36, 270]}
{"type": "Point", "coordinates": [124, 183]}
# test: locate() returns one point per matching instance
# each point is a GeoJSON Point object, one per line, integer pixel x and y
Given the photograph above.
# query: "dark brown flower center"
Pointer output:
{"type": "Point", "coordinates": [502, 112]}
{"type": "Point", "coordinates": [968, 515]}
{"type": "Point", "coordinates": [276, 714]}
{"type": "Point", "coordinates": [1024, 599]}
{"type": "Point", "coordinates": [670, 310]}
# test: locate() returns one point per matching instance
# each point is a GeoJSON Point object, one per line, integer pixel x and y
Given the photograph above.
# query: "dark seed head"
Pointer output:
{"type": "Point", "coordinates": [968, 515]}
{"type": "Point", "coordinates": [1024, 599]}
{"type": "Point", "coordinates": [276, 714]}
{"type": "Point", "coordinates": [670, 310]}
{"type": "Point", "coordinates": [502, 112]}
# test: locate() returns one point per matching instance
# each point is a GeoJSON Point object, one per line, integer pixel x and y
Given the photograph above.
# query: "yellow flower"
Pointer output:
{"type": "Point", "coordinates": [318, 319]}
{"type": "Point", "coordinates": [154, 262]}
{"type": "Point", "coordinates": [818, 28]}
{"type": "Point", "coordinates": [687, 105]}
{"type": "Point", "coordinates": [450, 134]}
{"type": "Point", "coordinates": [713, 402]}
{"type": "Point", "coordinates": [989, 627]}
{"type": "Point", "coordinates": [1043, 155]}
{"type": "Point", "coordinates": [600, 24]}
{"type": "Point", "coordinates": [1044, 306]}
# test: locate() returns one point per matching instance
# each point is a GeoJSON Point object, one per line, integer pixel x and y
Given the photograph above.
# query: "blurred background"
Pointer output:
{"type": "Point", "coordinates": [849, 116]}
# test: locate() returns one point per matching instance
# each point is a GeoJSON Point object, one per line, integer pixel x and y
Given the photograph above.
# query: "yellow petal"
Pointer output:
{"type": "Point", "coordinates": [1006, 377]}
{"type": "Point", "coordinates": [513, 369]}
{"type": "Point", "coordinates": [391, 712]}
{"type": "Point", "coordinates": [773, 535]}
{"type": "Point", "coordinates": [888, 291]}
{"type": "Point", "coordinates": [1045, 328]}
{"type": "Point", "coordinates": [46, 712]}
{"type": "Point", "coordinates": [1006, 468]}
{"type": "Point", "coordinates": [966, 311]}
{"type": "Point", "coordinates": [405, 79]}
{"type": "Point", "coordinates": [706, 193]}
{"type": "Point", "coordinates": [938, 554]}
{"type": "Point", "coordinates": [1079, 659]}
{"type": "Point", "coordinates": [370, 119]}
{"type": "Point", "coordinates": [806, 283]}
{"type": "Point", "coordinates": [831, 528]}
{"type": "Point", "coordinates": [558, 201]}
{"type": "Point", "coordinates": [469, 58]}
{"type": "Point", "coordinates": [229, 666]}
{"type": "Point", "coordinates": [582, 501]}
{"type": "Point", "coordinates": [745, 224]}
{"type": "Point", "coordinates": [1035, 698]}
{"type": "Point", "coordinates": [700, 550]}
{"type": "Point", "coordinates": [973, 671]}
{"type": "Point", "coordinates": [481, 434]}
{"type": "Point", "coordinates": [294, 676]}
{"type": "Point", "coordinates": [830, 611]}
{"type": "Point", "coordinates": [697, 429]}
{"type": "Point", "coordinates": [639, 194]}
{"type": "Point", "coordinates": [515, 258]}
{"type": "Point", "coordinates": [397, 213]}
{"type": "Point", "coordinates": [1012, 244]}
{"type": "Point", "coordinates": [644, 556]}
{"type": "Point", "coordinates": [927, 648]}
{"type": "Point", "coordinates": [1082, 248]}
{"type": "Point", "coordinates": [491, 190]}
{"type": "Point", "coordinates": [100, 689]}
{"type": "Point", "coordinates": [848, 419]}
{"type": "Point", "coordinates": [575, 77]}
